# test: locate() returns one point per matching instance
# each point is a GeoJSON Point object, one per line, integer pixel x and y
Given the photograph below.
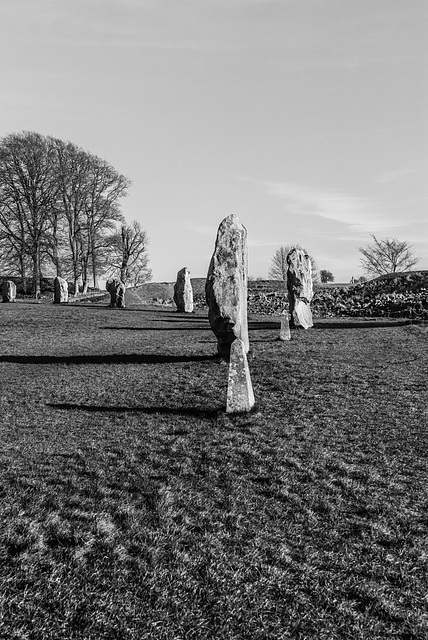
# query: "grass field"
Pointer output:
{"type": "Point", "coordinates": [132, 506]}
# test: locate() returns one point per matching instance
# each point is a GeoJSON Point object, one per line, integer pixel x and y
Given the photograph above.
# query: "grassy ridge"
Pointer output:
{"type": "Point", "coordinates": [132, 506]}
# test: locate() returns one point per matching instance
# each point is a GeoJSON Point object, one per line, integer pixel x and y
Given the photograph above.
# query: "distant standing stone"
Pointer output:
{"type": "Point", "coordinates": [226, 286]}
{"type": "Point", "coordinates": [9, 291]}
{"type": "Point", "coordinates": [60, 290]}
{"type": "Point", "coordinates": [284, 331]}
{"type": "Point", "coordinates": [116, 289]}
{"type": "Point", "coordinates": [300, 289]}
{"type": "Point", "coordinates": [183, 293]}
{"type": "Point", "coordinates": [240, 395]}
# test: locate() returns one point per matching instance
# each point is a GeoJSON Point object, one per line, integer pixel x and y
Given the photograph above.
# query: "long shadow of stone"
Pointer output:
{"type": "Point", "coordinates": [362, 324]}
{"type": "Point", "coordinates": [205, 328]}
{"type": "Point", "coordinates": [108, 359]}
{"type": "Point", "coordinates": [263, 325]}
{"type": "Point", "coordinates": [187, 411]}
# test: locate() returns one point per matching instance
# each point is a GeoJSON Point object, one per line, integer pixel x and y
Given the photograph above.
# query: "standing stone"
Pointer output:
{"type": "Point", "coordinates": [300, 289]}
{"type": "Point", "coordinates": [183, 293]}
{"type": "Point", "coordinates": [116, 289]}
{"type": "Point", "coordinates": [284, 331]}
{"type": "Point", "coordinates": [226, 286]}
{"type": "Point", "coordinates": [60, 290]}
{"type": "Point", "coordinates": [9, 291]}
{"type": "Point", "coordinates": [240, 395]}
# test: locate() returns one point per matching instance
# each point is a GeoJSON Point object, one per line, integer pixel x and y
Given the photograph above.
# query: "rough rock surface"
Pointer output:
{"type": "Point", "coordinates": [116, 289]}
{"type": "Point", "coordinates": [240, 395]}
{"type": "Point", "coordinates": [300, 288]}
{"type": "Point", "coordinates": [183, 293]}
{"type": "Point", "coordinates": [60, 290]}
{"type": "Point", "coordinates": [226, 286]}
{"type": "Point", "coordinates": [8, 291]}
{"type": "Point", "coordinates": [284, 331]}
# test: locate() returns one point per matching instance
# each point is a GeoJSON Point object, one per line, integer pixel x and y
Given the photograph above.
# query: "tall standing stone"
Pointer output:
{"type": "Point", "coordinates": [116, 289]}
{"type": "Point", "coordinates": [9, 291]}
{"type": "Point", "coordinates": [60, 290]}
{"type": "Point", "coordinates": [183, 293]}
{"type": "Point", "coordinates": [226, 286]}
{"type": "Point", "coordinates": [240, 395]}
{"type": "Point", "coordinates": [300, 289]}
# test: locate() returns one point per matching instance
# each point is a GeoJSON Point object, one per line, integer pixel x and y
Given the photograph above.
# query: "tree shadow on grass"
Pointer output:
{"type": "Point", "coordinates": [187, 411]}
{"type": "Point", "coordinates": [133, 358]}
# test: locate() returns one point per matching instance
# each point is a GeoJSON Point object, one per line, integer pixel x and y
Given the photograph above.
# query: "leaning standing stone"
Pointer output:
{"type": "Point", "coordinates": [60, 290]}
{"type": "Point", "coordinates": [116, 289]}
{"type": "Point", "coordinates": [9, 291]}
{"type": "Point", "coordinates": [226, 286]}
{"type": "Point", "coordinates": [300, 289]}
{"type": "Point", "coordinates": [240, 395]}
{"type": "Point", "coordinates": [183, 293]}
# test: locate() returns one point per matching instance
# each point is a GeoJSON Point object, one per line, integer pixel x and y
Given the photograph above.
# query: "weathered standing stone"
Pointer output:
{"type": "Point", "coordinates": [9, 291]}
{"type": "Point", "coordinates": [60, 290]}
{"type": "Point", "coordinates": [226, 286]}
{"type": "Point", "coordinates": [300, 289]}
{"type": "Point", "coordinates": [284, 331]}
{"type": "Point", "coordinates": [183, 293]}
{"type": "Point", "coordinates": [116, 289]}
{"type": "Point", "coordinates": [240, 395]}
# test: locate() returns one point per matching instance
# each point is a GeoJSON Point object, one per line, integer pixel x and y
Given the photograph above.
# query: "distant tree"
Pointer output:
{"type": "Point", "coordinates": [326, 276]}
{"type": "Point", "coordinates": [387, 256]}
{"type": "Point", "coordinates": [89, 194]}
{"type": "Point", "coordinates": [28, 194]}
{"type": "Point", "coordinates": [128, 256]}
{"type": "Point", "coordinates": [278, 268]}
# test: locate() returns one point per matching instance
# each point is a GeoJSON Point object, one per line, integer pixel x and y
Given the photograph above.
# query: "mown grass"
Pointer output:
{"type": "Point", "coordinates": [132, 506]}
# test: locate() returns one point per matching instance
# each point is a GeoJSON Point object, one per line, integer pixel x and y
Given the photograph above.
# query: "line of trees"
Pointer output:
{"type": "Point", "coordinates": [60, 211]}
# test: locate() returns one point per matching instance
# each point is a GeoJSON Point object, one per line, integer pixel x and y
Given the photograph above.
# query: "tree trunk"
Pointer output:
{"type": "Point", "coordinates": [76, 285]}
{"type": "Point", "coordinates": [85, 275]}
{"type": "Point", "coordinates": [23, 274]}
{"type": "Point", "coordinates": [36, 273]}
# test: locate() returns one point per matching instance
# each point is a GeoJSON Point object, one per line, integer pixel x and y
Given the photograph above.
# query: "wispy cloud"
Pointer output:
{"type": "Point", "coordinates": [398, 174]}
{"type": "Point", "coordinates": [359, 214]}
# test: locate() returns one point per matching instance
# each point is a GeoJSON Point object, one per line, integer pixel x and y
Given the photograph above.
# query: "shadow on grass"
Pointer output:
{"type": "Point", "coordinates": [108, 359]}
{"type": "Point", "coordinates": [187, 411]}
{"type": "Point", "coordinates": [361, 324]}
{"type": "Point", "coordinates": [157, 328]}
{"type": "Point", "coordinates": [345, 324]}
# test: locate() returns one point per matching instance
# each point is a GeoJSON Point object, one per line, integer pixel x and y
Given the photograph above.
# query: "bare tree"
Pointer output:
{"type": "Point", "coordinates": [105, 187]}
{"type": "Point", "coordinates": [28, 194]}
{"type": "Point", "coordinates": [128, 255]}
{"type": "Point", "coordinates": [58, 205]}
{"type": "Point", "coordinates": [90, 190]}
{"type": "Point", "coordinates": [278, 268]}
{"type": "Point", "coordinates": [387, 256]}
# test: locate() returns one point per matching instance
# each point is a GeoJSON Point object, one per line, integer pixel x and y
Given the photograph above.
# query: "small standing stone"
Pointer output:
{"type": "Point", "coordinates": [284, 331]}
{"type": "Point", "coordinates": [226, 286]}
{"type": "Point", "coordinates": [183, 293]}
{"type": "Point", "coordinates": [300, 289]}
{"type": "Point", "coordinates": [9, 291]}
{"type": "Point", "coordinates": [240, 395]}
{"type": "Point", "coordinates": [116, 289]}
{"type": "Point", "coordinates": [60, 290]}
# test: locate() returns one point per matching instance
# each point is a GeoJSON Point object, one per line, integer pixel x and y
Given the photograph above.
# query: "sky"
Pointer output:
{"type": "Point", "coordinates": [306, 118]}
